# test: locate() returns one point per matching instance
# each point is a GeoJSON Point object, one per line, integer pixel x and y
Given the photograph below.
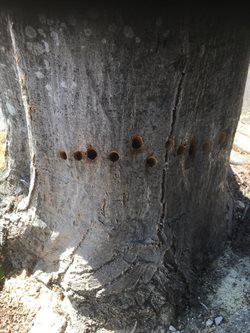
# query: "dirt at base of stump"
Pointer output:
{"type": "Point", "coordinates": [14, 317]}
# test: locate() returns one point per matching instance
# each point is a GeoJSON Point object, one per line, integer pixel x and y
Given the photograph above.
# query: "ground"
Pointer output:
{"type": "Point", "coordinates": [14, 316]}
{"type": "Point", "coordinates": [223, 291]}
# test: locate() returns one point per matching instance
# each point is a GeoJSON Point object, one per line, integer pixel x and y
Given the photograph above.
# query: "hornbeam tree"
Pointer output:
{"type": "Point", "coordinates": [122, 119]}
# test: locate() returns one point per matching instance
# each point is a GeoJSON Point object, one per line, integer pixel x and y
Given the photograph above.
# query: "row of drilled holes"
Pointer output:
{"type": "Point", "coordinates": [136, 143]}
{"type": "Point", "coordinates": [206, 147]}
{"type": "Point", "coordinates": [78, 155]}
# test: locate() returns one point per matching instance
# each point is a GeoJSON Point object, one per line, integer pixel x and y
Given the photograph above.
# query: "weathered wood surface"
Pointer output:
{"type": "Point", "coordinates": [12, 108]}
{"type": "Point", "coordinates": [124, 239]}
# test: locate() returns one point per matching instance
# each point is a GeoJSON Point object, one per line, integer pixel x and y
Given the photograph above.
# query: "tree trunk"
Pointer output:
{"type": "Point", "coordinates": [16, 175]}
{"type": "Point", "coordinates": [130, 122]}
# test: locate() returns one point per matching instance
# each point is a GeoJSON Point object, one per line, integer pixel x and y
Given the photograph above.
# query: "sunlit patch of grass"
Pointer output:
{"type": "Point", "coordinates": [2, 150]}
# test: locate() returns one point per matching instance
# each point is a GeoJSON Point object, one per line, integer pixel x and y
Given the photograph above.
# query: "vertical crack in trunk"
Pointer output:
{"type": "Point", "coordinates": [162, 237]}
{"type": "Point", "coordinates": [28, 109]}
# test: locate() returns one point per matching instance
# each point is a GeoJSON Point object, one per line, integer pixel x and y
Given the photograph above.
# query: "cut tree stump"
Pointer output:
{"type": "Point", "coordinates": [127, 118]}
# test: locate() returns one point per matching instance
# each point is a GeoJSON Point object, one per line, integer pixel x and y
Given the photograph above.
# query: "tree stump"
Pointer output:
{"type": "Point", "coordinates": [129, 122]}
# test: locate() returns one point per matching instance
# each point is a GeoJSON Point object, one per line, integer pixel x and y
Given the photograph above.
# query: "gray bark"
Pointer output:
{"type": "Point", "coordinates": [124, 239]}
{"type": "Point", "coordinates": [16, 176]}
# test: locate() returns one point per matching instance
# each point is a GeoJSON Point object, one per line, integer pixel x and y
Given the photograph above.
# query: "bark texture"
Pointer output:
{"type": "Point", "coordinates": [17, 150]}
{"type": "Point", "coordinates": [124, 239]}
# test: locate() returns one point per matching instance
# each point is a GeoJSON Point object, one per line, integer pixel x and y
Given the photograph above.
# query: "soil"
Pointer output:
{"type": "Point", "coordinates": [13, 315]}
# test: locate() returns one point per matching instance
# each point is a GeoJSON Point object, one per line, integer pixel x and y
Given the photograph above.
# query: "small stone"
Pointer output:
{"type": "Point", "coordinates": [172, 328]}
{"type": "Point", "coordinates": [218, 320]}
{"type": "Point", "coordinates": [209, 322]}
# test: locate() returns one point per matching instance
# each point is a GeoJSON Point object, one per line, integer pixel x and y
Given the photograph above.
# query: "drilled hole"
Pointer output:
{"type": "Point", "coordinates": [91, 153]}
{"type": "Point", "coordinates": [137, 142]}
{"type": "Point", "coordinates": [63, 155]}
{"type": "Point", "coordinates": [151, 161]}
{"type": "Point", "coordinates": [77, 155]}
{"type": "Point", "coordinates": [181, 149]}
{"type": "Point", "coordinates": [223, 137]}
{"type": "Point", "coordinates": [192, 148]}
{"type": "Point", "coordinates": [206, 147]}
{"type": "Point", "coordinates": [114, 156]}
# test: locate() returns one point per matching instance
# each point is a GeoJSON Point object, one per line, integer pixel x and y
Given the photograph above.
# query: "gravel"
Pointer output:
{"type": "Point", "coordinates": [218, 320]}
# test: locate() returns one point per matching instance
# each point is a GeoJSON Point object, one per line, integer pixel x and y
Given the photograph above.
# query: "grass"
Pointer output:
{"type": "Point", "coordinates": [2, 150]}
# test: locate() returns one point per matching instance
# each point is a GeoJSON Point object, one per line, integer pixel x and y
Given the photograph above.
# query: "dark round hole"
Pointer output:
{"type": "Point", "coordinates": [192, 148]}
{"type": "Point", "coordinates": [63, 155]}
{"type": "Point", "coordinates": [91, 153]}
{"type": "Point", "coordinates": [137, 142]}
{"type": "Point", "coordinates": [77, 155]}
{"type": "Point", "coordinates": [114, 156]}
{"type": "Point", "coordinates": [181, 149]}
{"type": "Point", "coordinates": [151, 161]}
{"type": "Point", "coordinates": [206, 147]}
{"type": "Point", "coordinates": [223, 137]}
